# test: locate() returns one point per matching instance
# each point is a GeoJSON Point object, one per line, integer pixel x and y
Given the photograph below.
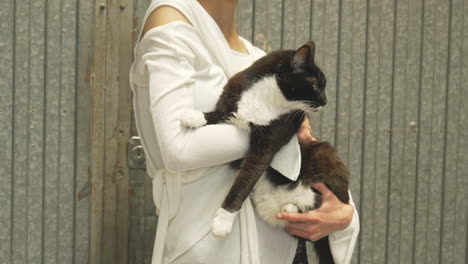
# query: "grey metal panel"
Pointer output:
{"type": "Point", "coordinates": [460, 247]}
{"type": "Point", "coordinates": [66, 184]}
{"type": "Point", "coordinates": [425, 151]}
{"type": "Point", "coordinates": [412, 128]}
{"type": "Point", "coordinates": [267, 24]}
{"type": "Point", "coordinates": [85, 18]}
{"type": "Point", "coordinates": [36, 132]}
{"type": "Point", "coordinates": [398, 124]}
{"type": "Point", "coordinates": [386, 52]}
{"type": "Point", "coordinates": [370, 135]}
{"type": "Point", "coordinates": [244, 19]}
{"type": "Point", "coordinates": [6, 130]}
{"type": "Point", "coordinates": [52, 132]}
{"type": "Point", "coordinates": [451, 134]}
{"type": "Point", "coordinates": [356, 110]}
{"type": "Point", "coordinates": [329, 49]}
{"type": "Point", "coordinates": [20, 126]}
{"type": "Point", "coordinates": [317, 22]}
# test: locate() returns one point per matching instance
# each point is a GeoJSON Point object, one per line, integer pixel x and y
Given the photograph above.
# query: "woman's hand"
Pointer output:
{"type": "Point", "coordinates": [333, 215]}
{"type": "Point", "coordinates": [304, 134]}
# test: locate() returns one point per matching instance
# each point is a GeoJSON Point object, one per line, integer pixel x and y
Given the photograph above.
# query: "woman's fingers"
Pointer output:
{"type": "Point", "coordinates": [298, 217]}
{"type": "Point", "coordinates": [306, 235]}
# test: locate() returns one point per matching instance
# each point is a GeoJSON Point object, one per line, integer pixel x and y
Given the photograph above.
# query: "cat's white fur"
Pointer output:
{"type": "Point", "coordinates": [269, 200]}
{"type": "Point", "coordinates": [222, 223]}
{"type": "Point", "coordinates": [192, 118]}
{"type": "Point", "coordinates": [262, 103]}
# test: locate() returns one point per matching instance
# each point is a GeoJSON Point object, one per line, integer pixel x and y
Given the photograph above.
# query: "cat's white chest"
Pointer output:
{"type": "Point", "coordinates": [263, 103]}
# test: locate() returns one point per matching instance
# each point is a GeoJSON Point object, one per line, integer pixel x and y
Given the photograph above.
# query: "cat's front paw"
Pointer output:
{"type": "Point", "coordinates": [222, 223]}
{"type": "Point", "coordinates": [192, 118]}
{"type": "Point", "coordinates": [290, 208]}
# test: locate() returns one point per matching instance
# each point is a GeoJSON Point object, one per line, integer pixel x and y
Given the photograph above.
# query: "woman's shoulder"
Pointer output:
{"type": "Point", "coordinates": [164, 15]}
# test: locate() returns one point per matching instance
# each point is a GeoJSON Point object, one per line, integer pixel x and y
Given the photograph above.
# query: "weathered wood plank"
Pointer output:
{"type": "Point", "coordinates": [109, 217]}
{"type": "Point", "coordinates": [36, 132]}
{"type": "Point", "coordinates": [20, 126]}
{"type": "Point", "coordinates": [150, 219]}
{"type": "Point", "coordinates": [410, 144]}
{"type": "Point", "coordinates": [6, 129]}
{"type": "Point", "coordinates": [136, 241]}
{"type": "Point", "coordinates": [66, 138]}
{"type": "Point", "coordinates": [83, 132]}
{"type": "Point", "coordinates": [98, 78]}
{"type": "Point", "coordinates": [123, 127]}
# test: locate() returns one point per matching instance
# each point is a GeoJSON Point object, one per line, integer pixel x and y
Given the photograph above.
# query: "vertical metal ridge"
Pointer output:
{"type": "Point", "coordinates": [252, 37]}
{"type": "Point", "coordinates": [418, 149]}
{"type": "Point", "coordinates": [12, 182]}
{"type": "Point", "coordinates": [75, 132]}
{"type": "Point", "coordinates": [59, 176]}
{"type": "Point", "coordinates": [28, 137]}
{"type": "Point", "coordinates": [391, 134]}
{"type": "Point", "coordinates": [337, 81]}
{"type": "Point", "coordinates": [44, 129]}
{"type": "Point", "coordinates": [444, 154]}
{"type": "Point", "coordinates": [364, 115]}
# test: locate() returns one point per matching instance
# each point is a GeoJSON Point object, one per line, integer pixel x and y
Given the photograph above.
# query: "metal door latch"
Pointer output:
{"type": "Point", "coordinates": [136, 154]}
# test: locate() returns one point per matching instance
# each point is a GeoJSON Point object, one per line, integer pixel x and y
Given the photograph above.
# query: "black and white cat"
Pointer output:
{"type": "Point", "coordinates": [269, 99]}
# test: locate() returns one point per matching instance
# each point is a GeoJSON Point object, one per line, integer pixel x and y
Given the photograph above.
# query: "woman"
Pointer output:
{"type": "Point", "coordinates": [186, 52]}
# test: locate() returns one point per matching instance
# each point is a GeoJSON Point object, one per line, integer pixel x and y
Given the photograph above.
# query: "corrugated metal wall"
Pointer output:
{"type": "Point", "coordinates": [44, 131]}
{"type": "Point", "coordinates": [397, 87]}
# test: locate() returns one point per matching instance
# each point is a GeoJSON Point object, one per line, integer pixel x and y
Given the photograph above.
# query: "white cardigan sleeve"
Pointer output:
{"type": "Point", "coordinates": [342, 242]}
{"type": "Point", "coordinates": [169, 57]}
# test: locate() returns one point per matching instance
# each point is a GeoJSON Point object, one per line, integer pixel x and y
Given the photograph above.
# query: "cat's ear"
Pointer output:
{"type": "Point", "coordinates": [304, 56]}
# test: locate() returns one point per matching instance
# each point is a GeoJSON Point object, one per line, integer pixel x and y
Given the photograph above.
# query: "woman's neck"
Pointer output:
{"type": "Point", "coordinates": [223, 12]}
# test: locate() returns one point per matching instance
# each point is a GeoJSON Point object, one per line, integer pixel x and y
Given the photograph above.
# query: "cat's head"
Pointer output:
{"type": "Point", "coordinates": [302, 80]}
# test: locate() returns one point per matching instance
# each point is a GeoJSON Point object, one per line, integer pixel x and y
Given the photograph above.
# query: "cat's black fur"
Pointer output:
{"type": "Point", "coordinates": [319, 163]}
{"type": "Point", "coordinates": [299, 79]}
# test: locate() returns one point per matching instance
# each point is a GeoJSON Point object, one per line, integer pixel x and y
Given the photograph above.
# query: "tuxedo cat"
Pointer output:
{"type": "Point", "coordinates": [275, 193]}
{"type": "Point", "coordinates": [270, 99]}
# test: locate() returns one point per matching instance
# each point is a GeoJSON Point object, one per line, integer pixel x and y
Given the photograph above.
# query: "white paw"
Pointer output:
{"type": "Point", "coordinates": [192, 118]}
{"type": "Point", "coordinates": [222, 223]}
{"type": "Point", "coordinates": [290, 208]}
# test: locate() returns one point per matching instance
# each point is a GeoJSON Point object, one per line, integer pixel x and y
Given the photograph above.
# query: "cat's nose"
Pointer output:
{"type": "Point", "coordinates": [323, 99]}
